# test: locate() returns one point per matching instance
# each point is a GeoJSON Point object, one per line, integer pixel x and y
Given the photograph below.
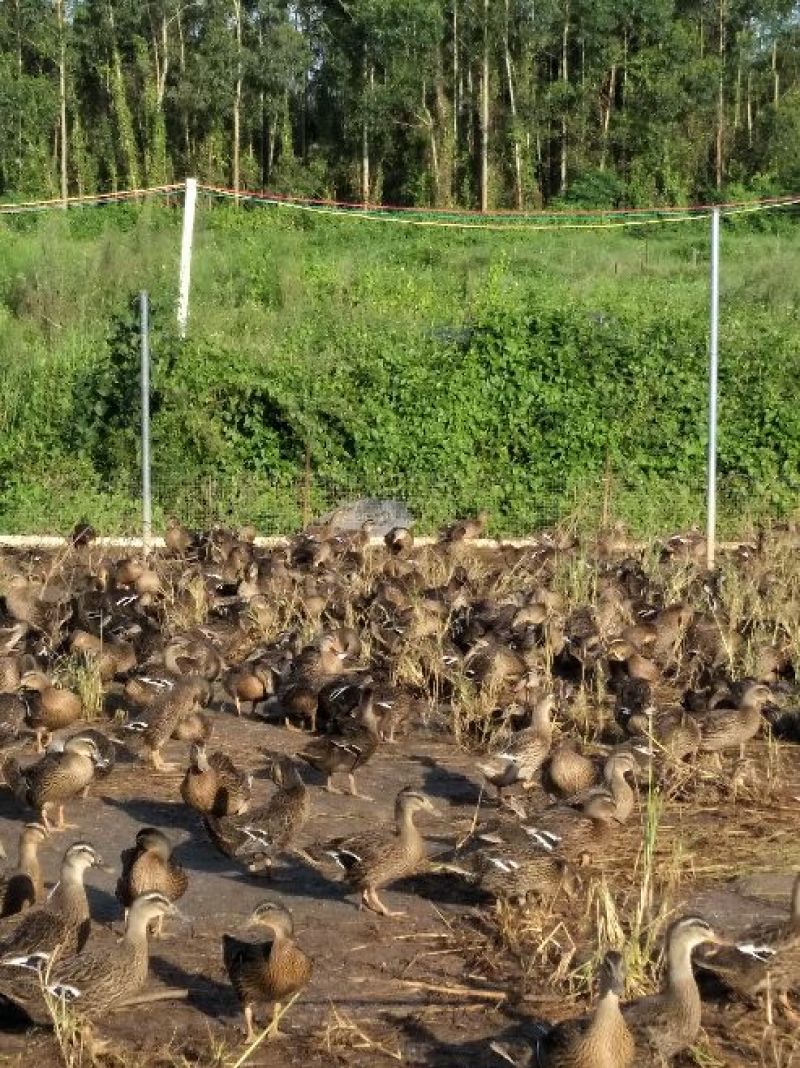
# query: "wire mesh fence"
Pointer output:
{"type": "Point", "coordinates": [645, 508]}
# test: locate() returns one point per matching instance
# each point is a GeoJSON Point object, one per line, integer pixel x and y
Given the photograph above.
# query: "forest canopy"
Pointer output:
{"type": "Point", "coordinates": [474, 103]}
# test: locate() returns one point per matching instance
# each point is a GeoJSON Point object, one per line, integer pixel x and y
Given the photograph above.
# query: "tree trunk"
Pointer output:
{"type": "Point", "coordinates": [182, 68]}
{"type": "Point", "coordinates": [606, 113]}
{"type": "Point", "coordinates": [365, 135]}
{"type": "Point", "coordinates": [562, 178]}
{"type": "Point", "coordinates": [624, 70]}
{"type": "Point", "coordinates": [719, 167]}
{"type": "Point", "coordinates": [737, 100]}
{"type": "Point", "coordinates": [62, 99]}
{"type": "Point", "coordinates": [456, 103]}
{"type": "Point", "coordinates": [512, 105]}
{"type": "Point", "coordinates": [484, 165]}
{"type": "Point", "coordinates": [445, 147]}
{"type": "Point", "coordinates": [749, 109]}
{"type": "Point", "coordinates": [237, 101]}
{"type": "Point", "coordinates": [775, 75]}
{"type": "Point", "coordinates": [162, 79]}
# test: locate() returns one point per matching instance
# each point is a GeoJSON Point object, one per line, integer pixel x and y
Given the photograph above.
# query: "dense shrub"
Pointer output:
{"type": "Point", "coordinates": [449, 372]}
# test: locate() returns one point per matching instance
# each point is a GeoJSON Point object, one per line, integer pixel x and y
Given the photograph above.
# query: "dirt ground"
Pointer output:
{"type": "Point", "coordinates": [363, 1006]}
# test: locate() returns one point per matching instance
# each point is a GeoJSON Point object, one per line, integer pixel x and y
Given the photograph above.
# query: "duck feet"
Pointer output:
{"type": "Point", "coordinates": [370, 900]}
{"type": "Point", "coordinates": [249, 1030]}
{"type": "Point", "coordinates": [354, 790]}
{"type": "Point", "coordinates": [787, 1011]}
{"type": "Point", "coordinates": [159, 763]}
{"type": "Point", "coordinates": [274, 1031]}
{"type": "Point", "coordinates": [62, 825]}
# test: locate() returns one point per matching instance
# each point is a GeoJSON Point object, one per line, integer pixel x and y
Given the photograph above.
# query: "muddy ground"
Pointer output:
{"type": "Point", "coordinates": [363, 1006]}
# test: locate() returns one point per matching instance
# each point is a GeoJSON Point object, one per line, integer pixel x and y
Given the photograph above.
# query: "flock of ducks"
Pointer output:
{"type": "Point", "coordinates": [329, 664]}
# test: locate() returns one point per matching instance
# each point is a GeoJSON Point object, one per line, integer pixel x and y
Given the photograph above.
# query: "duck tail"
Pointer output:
{"type": "Point", "coordinates": [12, 773]}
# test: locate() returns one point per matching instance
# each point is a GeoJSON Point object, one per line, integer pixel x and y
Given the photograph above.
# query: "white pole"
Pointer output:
{"type": "Point", "coordinates": [713, 363]}
{"type": "Point", "coordinates": [147, 504]}
{"type": "Point", "coordinates": [189, 203]}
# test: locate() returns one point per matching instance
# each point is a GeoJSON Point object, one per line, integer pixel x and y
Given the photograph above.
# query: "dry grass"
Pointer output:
{"type": "Point", "coordinates": [81, 673]}
{"type": "Point", "coordinates": [342, 1034]}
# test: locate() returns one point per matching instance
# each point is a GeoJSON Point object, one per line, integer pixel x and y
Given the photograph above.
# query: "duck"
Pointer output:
{"type": "Point", "coordinates": [23, 886]}
{"type": "Point", "coordinates": [148, 865]}
{"type": "Point", "coordinates": [35, 607]}
{"type": "Point", "coordinates": [269, 829]}
{"type": "Point", "coordinates": [523, 756]}
{"type": "Point", "coordinates": [112, 657]}
{"type": "Point", "coordinates": [10, 674]}
{"type": "Point", "coordinates": [93, 982]}
{"type": "Point", "coordinates": [314, 666]}
{"type": "Point", "coordinates": [375, 858]}
{"type": "Point", "coordinates": [248, 685]}
{"type": "Point", "coordinates": [50, 708]}
{"type": "Point", "coordinates": [145, 690]}
{"type": "Point", "coordinates": [563, 830]}
{"type": "Point", "coordinates": [214, 784]}
{"type": "Point", "coordinates": [666, 1023]}
{"type": "Point", "coordinates": [504, 866]}
{"type": "Point", "coordinates": [192, 655]}
{"type": "Point", "coordinates": [272, 970]}
{"type": "Point", "coordinates": [465, 529]}
{"type": "Point", "coordinates": [602, 1040]}
{"type": "Point", "coordinates": [399, 541]}
{"type": "Point", "coordinates": [57, 777]}
{"type": "Point", "coordinates": [159, 723]}
{"type": "Point", "coordinates": [568, 771]}
{"type": "Point", "coordinates": [728, 728]}
{"type": "Point", "coordinates": [619, 764]}
{"type": "Point", "coordinates": [359, 740]}
{"type": "Point", "coordinates": [177, 538]}
{"type": "Point", "coordinates": [63, 920]}
{"type": "Point", "coordinates": [14, 713]}
{"type": "Point", "coordinates": [766, 956]}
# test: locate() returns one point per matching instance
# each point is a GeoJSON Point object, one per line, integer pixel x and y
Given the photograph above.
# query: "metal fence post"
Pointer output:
{"type": "Point", "coordinates": [713, 363]}
{"type": "Point", "coordinates": [187, 237]}
{"type": "Point", "coordinates": [147, 503]}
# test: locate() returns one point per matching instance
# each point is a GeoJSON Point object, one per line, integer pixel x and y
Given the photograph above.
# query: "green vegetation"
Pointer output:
{"type": "Point", "coordinates": [478, 103]}
{"type": "Point", "coordinates": [537, 374]}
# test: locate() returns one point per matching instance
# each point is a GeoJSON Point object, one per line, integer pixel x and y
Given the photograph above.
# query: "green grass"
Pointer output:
{"type": "Point", "coordinates": [337, 321]}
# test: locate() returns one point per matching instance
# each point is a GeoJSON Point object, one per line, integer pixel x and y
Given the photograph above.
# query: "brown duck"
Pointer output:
{"type": "Point", "coordinates": [64, 918]}
{"type": "Point", "coordinates": [359, 740]}
{"type": "Point", "coordinates": [729, 728]}
{"type": "Point", "coordinates": [112, 657]}
{"type": "Point", "coordinates": [564, 831]}
{"type": "Point", "coordinates": [148, 865]}
{"type": "Point", "coordinates": [266, 971]}
{"type": "Point", "coordinates": [214, 784]}
{"type": "Point", "coordinates": [521, 759]}
{"type": "Point", "coordinates": [50, 708]}
{"type": "Point", "coordinates": [262, 833]}
{"type": "Point", "coordinates": [164, 717]}
{"type": "Point", "coordinates": [373, 859]}
{"type": "Point", "coordinates": [94, 981]}
{"type": "Point", "coordinates": [23, 886]}
{"type": "Point", "coordinates": [766, 957]}
{"type": "Point", "coordinates": [57, 777]}
{"type": "Point", "coordinates": [601, 1040]}
{"type": "Point", "coordinates": [665, 1024]}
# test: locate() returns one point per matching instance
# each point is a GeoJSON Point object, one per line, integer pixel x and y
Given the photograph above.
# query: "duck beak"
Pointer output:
{"type": "Point", "coordinates": [106, 868]}
{"type": "Point", "coordinates": [713, 939]}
